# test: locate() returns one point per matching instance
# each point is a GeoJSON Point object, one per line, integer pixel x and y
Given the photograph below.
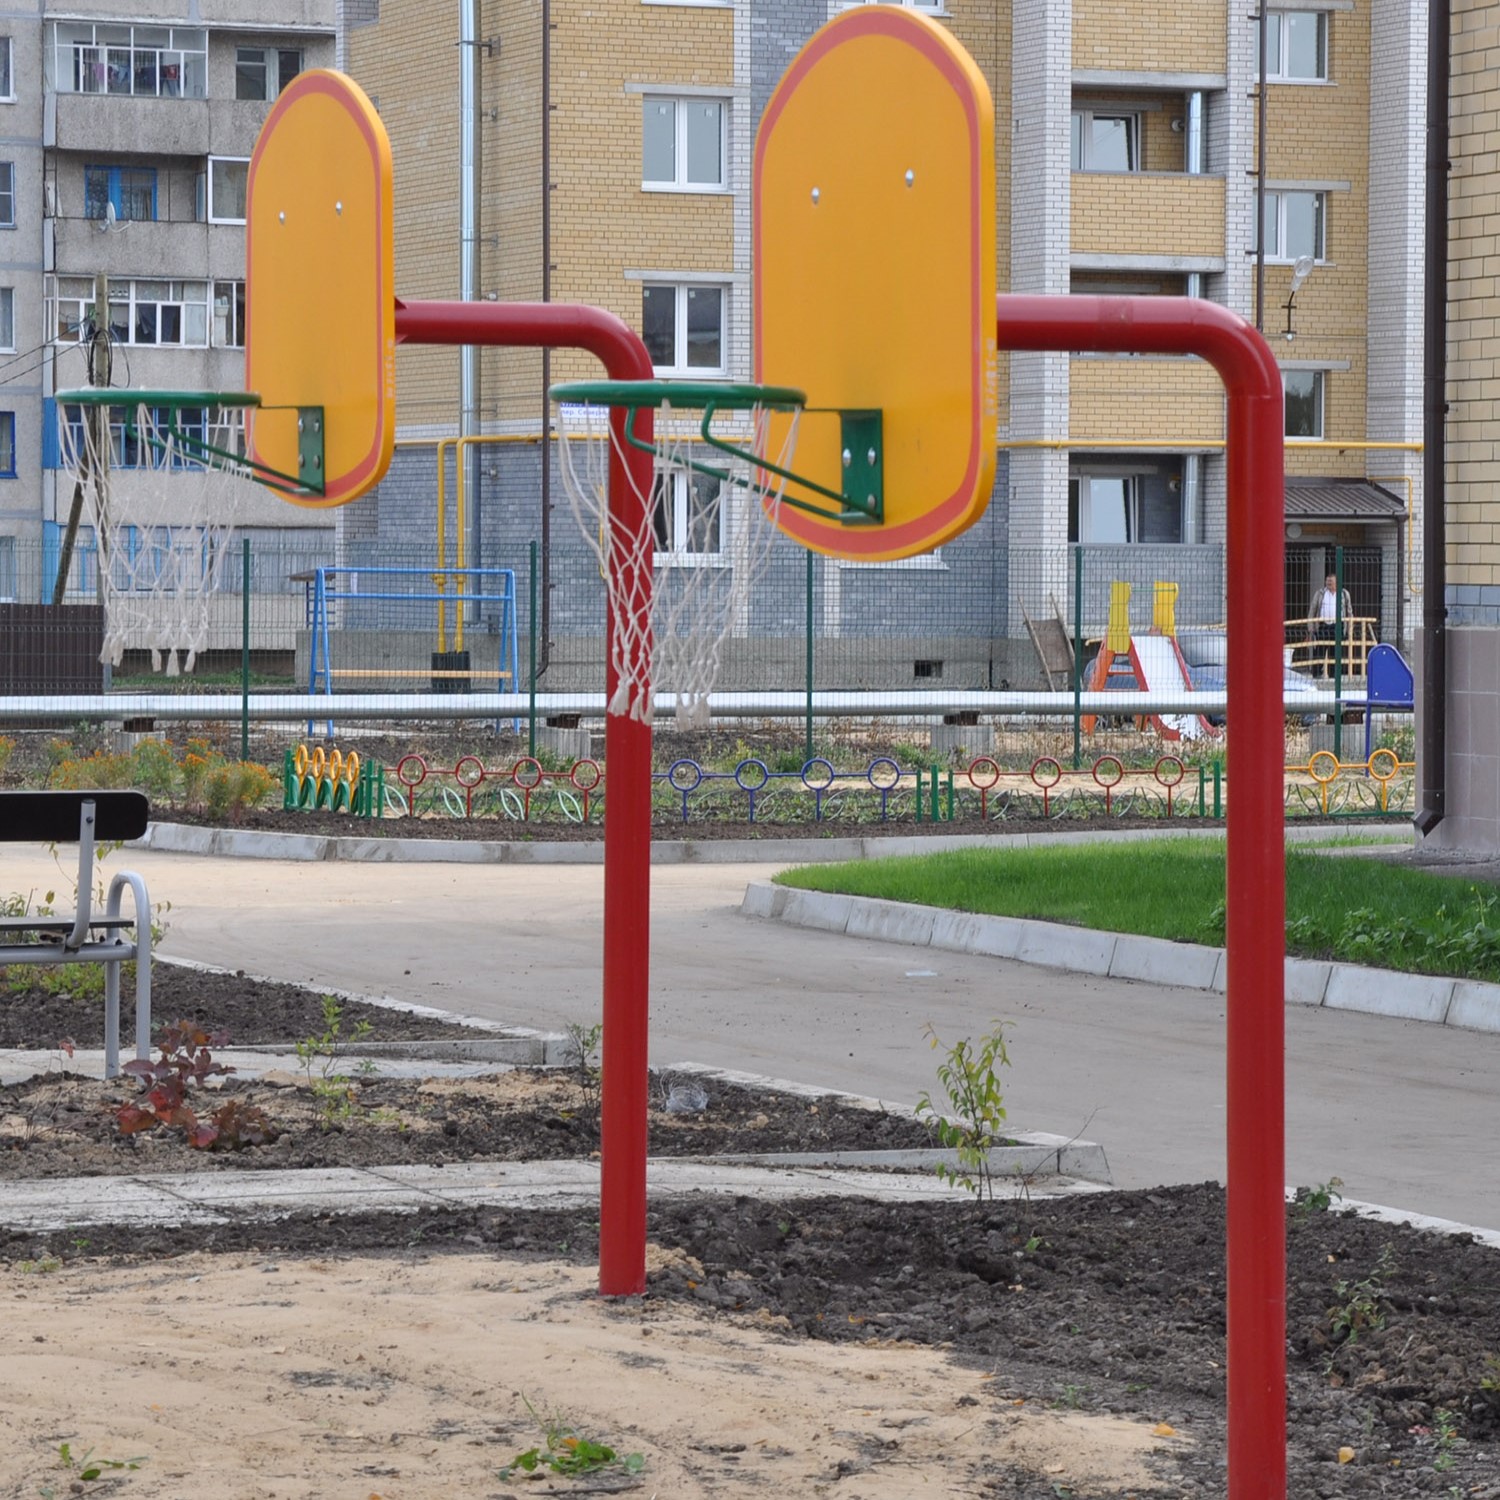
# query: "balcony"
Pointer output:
{"type": "Point", "coordinates": [83, 247]}
{"type": "Point", "coordinates": [109, 124]}
{"type": "Point", "coordinates": [1164, 216]}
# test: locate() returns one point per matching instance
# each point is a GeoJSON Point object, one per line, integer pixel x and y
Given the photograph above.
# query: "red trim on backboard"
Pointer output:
{"type": "Point", "coordinates": [879, 20]}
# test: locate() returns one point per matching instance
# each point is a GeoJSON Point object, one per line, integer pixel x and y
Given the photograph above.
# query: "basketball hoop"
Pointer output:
{"type": "Point", "coordinates": [164, 473]}
{"type": "Point", "coordinates": [708, 521]}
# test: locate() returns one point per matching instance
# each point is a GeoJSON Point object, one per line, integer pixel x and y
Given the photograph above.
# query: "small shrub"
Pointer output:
{"type": "Point", "coordinates": [976, 1111]}
{"type": "Point", "coordinates": [186, 1059]}
{"type": "Point", "coordinates": [7, 748]}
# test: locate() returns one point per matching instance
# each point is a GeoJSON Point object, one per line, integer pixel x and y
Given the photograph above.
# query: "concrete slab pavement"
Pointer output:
{"type": "Point", "coordinates": [1402, 1111]}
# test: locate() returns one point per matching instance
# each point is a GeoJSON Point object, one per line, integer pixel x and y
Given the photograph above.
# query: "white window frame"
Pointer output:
{"type": "Point", "coordinates": [678, 553]}
{"type": "Point", "coordinates": [216, 165]}
{"type": "Point", "coordinates": [1319, 393]}
{"type": "Point", "coordinates": [682, 106]}
{"type": "Point", "coordinates": [70, 307]}
{"type": "Point", "coordinates": [90, 57]}
{"type": "Point", "coordinates": [931, 7]}
{"type": "Point", "coordinates": [7, 320]}
{"type": "Point", "coordinates": [1277, 249]}
{"type": "Point", "coordinates": [1278, 39]}
{"type": "Point", "coordinates": [7, 70]}
{"type": "Point", "coordinates": [227, 323]}
{"type": "Point", "coordinates": [683, 292]}
{"type": "Point", "coordinates": [7, 195]}
{"type": "Point", "coordinates": [1079, 125]}
{"type": "Point", "coordinates": [1130, 512]}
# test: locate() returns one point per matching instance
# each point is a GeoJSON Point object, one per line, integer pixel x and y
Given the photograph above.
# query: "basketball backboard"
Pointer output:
{"type": "Point", "coordinates": [320, 301]}
{"type": "Point", "coordinates": [874, 243]}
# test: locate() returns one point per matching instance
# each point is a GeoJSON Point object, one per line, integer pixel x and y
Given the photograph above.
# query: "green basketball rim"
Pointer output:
{"type": "Point", "coordinates": [694, 395]}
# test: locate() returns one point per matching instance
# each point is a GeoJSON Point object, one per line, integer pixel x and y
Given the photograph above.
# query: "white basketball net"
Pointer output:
{"type": "Point", "coordinates": [710, 541]}
{"type": "Point", "coordinates": [163, 512]}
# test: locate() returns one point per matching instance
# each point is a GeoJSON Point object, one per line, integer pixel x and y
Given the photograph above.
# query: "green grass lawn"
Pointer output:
{"type": "Point", "coordinates": [1363, 911]}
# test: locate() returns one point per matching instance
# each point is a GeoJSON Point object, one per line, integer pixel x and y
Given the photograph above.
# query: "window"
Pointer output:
{"type": "Point", "coordinates": [682, 143]}
{"type": "Point", "coordinates": [7, 320]}
{"type": "Point", "coordinates": [128, 449]}
{"type": "Point", "coordinates": [140, 312]}
{"type": "Point", "coordinates": [7, 445]}
{"type": "Point", "coordinates": [7, 195]}
{"type": "Point", "coordinates": [1144, 506]}
{"type": "Point", "coordinates": [1304, 403]}
{"type": "Point", "coordinates": [683, 328]}
{"type": "Point", "coordinates": [687, 517]}
{"type": "Point", "coordinates": [229, 315]}
{"type": "Point", "coordinates": [1297, 45]}
{"type": "Point", "coordinates": [1106, 140]}
{"type": "Point", "coordinates": [7, 80]}
{"type": "Point", "coordinates": [7, 568]}
{"type": "Point", "coordinates": [150, 61]}
{"type": "Point", "coordinates": [262, 72]}
{"type": "Point", "coordinates": [129, 191]}
{"type": "Point", "coordinates": [228, 184]}
{"type": "Point", "coordinates": [1295, 225]}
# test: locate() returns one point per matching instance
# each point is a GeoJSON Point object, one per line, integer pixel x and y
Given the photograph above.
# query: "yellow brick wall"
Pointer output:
{"type": "Point", "coordinates": [1474, 257]}
{"type": "Point", "coordinates": [1141, 214]}
{"type": "Point", "coordinates": [1157, 36]}
{"type": "Point", "coordinates": [1173, 401]}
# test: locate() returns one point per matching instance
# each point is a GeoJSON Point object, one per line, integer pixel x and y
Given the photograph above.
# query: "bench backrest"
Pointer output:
{"type": "Point", "coordinates": [53, 817]}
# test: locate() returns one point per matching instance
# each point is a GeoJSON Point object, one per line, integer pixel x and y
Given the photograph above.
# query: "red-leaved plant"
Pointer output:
{"type": "Point", "coordinates": [186, 1058]}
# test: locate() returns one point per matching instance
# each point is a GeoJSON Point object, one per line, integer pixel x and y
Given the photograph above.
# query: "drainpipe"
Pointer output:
{"type": "Point", "coordinates": [543, 626]}
{"type": "Point", "coordinates": [469, 165]}
{"type": "Point", "coordinates": [1433, 750]}
{"type": "Point", "coordinates": [1192, 463]}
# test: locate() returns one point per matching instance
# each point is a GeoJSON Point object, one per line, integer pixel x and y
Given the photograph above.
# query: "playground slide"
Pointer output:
{"type": "Point", "coordinates": [1159, 664]}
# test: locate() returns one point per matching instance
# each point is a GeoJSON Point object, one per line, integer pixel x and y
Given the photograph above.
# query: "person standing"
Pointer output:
{"type": "Point", "coordinates": [1323, 618]}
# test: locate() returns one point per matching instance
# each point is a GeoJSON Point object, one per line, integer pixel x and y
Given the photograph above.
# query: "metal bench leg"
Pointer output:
{"type": "Point", "coordinates": [140, 950]}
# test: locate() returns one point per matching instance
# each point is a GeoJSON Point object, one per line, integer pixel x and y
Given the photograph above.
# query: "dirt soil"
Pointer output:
{"type": "Point", "coordinates": [1043, 1349]}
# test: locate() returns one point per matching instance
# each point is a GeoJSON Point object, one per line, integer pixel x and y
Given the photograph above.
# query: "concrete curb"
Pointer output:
{"type": "Point", "coordinates": [245, 843]}
{"type": "Point", "coordinates": [1466, 1003]}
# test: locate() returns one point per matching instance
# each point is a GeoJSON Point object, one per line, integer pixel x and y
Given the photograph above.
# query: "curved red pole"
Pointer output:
{"type": "Point", "coordinates": [627, 841]}
{"type": "Point", "coordinates": [1256, 863]}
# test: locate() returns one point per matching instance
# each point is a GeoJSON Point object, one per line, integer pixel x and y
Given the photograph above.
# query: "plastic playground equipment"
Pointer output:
{"type": "Point", "coordinates": [1146, 662]}
{"type": "Point", "coordinates": [873, 229]}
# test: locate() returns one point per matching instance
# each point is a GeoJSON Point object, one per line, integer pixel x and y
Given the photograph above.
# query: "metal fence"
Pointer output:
{"type": "Point", "coordinates": [308, 611]}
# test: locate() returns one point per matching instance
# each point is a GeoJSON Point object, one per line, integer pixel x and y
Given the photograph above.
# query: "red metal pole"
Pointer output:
{"type": "Point", "coordinates": [1256, 863]}
{"type": "Point", "coordinates": [627, 840]}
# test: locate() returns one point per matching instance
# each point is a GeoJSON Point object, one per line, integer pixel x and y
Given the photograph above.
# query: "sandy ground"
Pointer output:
{"type": "Point", "coordinates": [402, 1379]}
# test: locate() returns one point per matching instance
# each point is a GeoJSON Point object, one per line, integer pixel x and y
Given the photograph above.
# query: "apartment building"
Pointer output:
{"type": "Point", "coordinates": [1127, 159]}
{"type": "Point", "coordinates": [128, 135]}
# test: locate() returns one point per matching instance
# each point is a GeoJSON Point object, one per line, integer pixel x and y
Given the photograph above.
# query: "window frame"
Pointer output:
{"type": "Point", "coordinates": [1279, 23]}
{"type": "Point", "coordinates": [114, 192]}
{"type": "Point", "coordinates": [672, 537]}
{"type": "Point", "coordinates": [7, 69]}
{"type": "Point", "coordinates": [270, 64]}
{"type": "Point", "coordinates": [127, 308]}
{"type": "Point", "coordinates": [7, 315]}
{"type": "Point", "coordinates": [7, 437]}
{"type": "Point", "coordinates": [115, 57]}
{"type": "Point", "coordinates": [1081, 119]}
{"type": "Point", "coordinates": [1277, 252]}
{"type": "Point", "coordinates": [1319, 398]}
{"type": "Point", "coordinates": [233, 295]}
{"type": "Point", "coordinates": [7, 195]}
{"type": "Point", "coordinates": [209, 215]}
{"type": "Point", "coordinates": [680, 182]}
{"type": "Point", "coordinates": [683, 292]}
{"type": "Point", "coordinates": [8, 570]}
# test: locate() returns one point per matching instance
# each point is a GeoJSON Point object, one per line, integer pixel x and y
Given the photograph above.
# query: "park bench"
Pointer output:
{"type": "Point", "coordinates": [86, 937]}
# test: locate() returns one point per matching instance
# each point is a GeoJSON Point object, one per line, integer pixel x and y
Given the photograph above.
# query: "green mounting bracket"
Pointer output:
{"type": "Point", "coordinates": [863, 451]}
{"type": "Point", "coordinates": [310, 471]}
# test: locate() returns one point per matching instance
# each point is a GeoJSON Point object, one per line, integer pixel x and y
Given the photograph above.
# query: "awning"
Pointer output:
{"type": "Point", "coordinates": [1341, 500]}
